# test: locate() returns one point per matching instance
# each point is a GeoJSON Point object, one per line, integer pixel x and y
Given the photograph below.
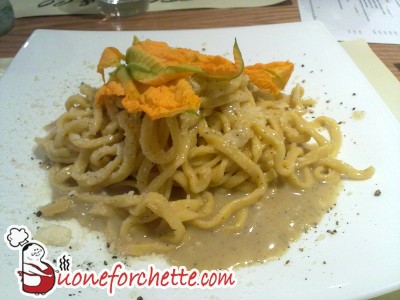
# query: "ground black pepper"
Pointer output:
{"type": "Point", "coordinates": [377, 193]}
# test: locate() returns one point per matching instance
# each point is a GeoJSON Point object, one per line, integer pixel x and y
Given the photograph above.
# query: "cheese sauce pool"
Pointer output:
{"type": "Point", "coordinates": [272, 225]}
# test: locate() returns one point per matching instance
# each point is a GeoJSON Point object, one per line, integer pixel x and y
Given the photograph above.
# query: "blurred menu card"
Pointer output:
{"type": "Point", "coordinates": [25, 8]}
{"type": "Point", "coordinates": [376, 21]}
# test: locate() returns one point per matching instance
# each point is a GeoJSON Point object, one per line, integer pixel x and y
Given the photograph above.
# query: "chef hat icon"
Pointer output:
{"type": "Point", "coordinates": [17, 236]}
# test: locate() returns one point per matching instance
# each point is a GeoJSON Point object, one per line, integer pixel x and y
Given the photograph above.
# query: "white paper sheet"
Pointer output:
{"type": "Point", "coordinates": [376, 21]}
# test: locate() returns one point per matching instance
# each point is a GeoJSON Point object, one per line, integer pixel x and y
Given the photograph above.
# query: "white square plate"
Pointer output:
{"type": "Point", "coordinates": [362, 260]}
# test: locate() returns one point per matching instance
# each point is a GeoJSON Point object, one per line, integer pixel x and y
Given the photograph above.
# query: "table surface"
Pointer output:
{"type": "Point", "coordinates": [287, 11]}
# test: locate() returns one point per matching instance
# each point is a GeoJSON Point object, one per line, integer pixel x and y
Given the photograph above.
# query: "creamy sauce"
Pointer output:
{"type": "Point", "coordinates": [272, 224]}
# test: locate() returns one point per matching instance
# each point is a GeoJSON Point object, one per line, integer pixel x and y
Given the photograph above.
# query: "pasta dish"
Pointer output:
{"type": "Point", "coordinates": [177, 142]}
